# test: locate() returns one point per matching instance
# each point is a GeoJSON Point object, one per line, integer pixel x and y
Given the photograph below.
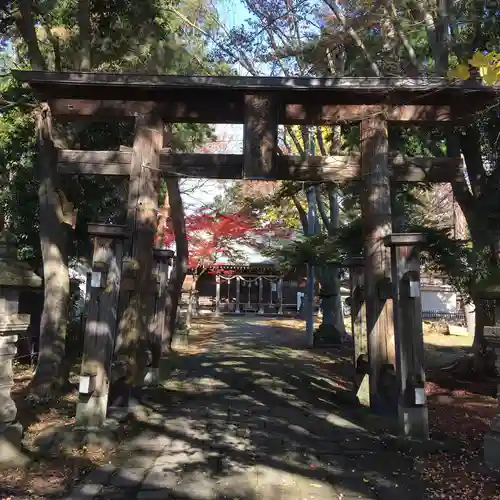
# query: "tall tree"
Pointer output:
{"type": "Point", "coordinates": [101, 36]}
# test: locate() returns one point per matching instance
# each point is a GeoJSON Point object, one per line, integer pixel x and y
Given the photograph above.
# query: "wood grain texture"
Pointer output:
{"type": "Point", "coordinates": [142, 212]}
{"type": "Point", "coordinates": [100, 331]}
{"type": "Point", "coordinates": [260, 136]}
{"type": "Point", "coordinates": [409, 335]}
{"type": "Point", "coordinates": [231, 110]}
{"type": "Point", "coordinates": [376, 208]}
{"type": "Point", "coordinates": [338, 169]}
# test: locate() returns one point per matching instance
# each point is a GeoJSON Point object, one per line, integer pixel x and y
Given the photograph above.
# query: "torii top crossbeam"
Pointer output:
{"type": "Point", "coordinates": [221, 99]}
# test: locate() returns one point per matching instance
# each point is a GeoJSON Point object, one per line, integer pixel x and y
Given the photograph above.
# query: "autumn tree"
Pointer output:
{"type": "Point", "coordinates": [390, 39]}
{"type": "Point", "coordinates": [60, 36]}
{"type": "Point", "coordinates": [211, 236]}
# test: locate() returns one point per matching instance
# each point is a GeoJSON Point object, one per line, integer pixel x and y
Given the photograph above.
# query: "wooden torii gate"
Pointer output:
{"type": "Point", "coordinates": [261, 104]}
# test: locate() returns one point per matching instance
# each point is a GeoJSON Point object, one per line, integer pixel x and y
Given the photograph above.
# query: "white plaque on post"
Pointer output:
{"type": "Point", "coordinates": [414, 289]}
{"type": "Point", "coordinates": [95, 280]}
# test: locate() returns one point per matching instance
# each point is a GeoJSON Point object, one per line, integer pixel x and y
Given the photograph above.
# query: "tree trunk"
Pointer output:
{"type": "Point", "coordinates": [26, 25]}
{"type": "Point", "coordinates": [179, 271]}
{"type": "Point", "coordinates": [474, 215]}
{"type": "Point", "coordinates": [85, 34]}
{"type": "Point", "coordinates": [53, 240]}
{"type": "Point", "coordinates": [470, 317]}
{"type": "Point", "coordinates": [483, 362]}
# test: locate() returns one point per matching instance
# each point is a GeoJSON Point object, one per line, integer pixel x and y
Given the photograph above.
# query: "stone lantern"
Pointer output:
{"type": "Point", "coordinates": [15, 276]}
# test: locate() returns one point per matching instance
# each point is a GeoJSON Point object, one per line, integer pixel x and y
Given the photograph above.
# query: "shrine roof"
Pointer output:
{"type": "Point", "coordinates": [345, 90]}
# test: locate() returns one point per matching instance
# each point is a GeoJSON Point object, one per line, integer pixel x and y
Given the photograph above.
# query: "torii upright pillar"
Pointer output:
{"type": "Point", "coordinates": [376, 208]}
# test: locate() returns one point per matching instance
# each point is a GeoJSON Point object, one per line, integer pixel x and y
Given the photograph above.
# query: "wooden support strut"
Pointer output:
{"type": "Point", "coordinates": [260, 136]}
{"type": "Point", "coordinates": [162, 262]}
{"type": "Point", "coordinates": [338, 169]}
{"type": "Point", "coordinates": [409, 335]}
{"type": "Point", "coordinates": [376, 214]}
{"type": "Point", "coordinates": [280, 296]}
{"type": "Point", "coordinates": [261, 296]}
{"type": "Point", "coordinates": [101, 323]}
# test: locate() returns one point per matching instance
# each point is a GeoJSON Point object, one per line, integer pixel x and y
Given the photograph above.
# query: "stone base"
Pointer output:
{"type": "Point", "coordinates": [152, 376]}
{"type": "Point", "coordinates": [11, 455]}
{"type": "Point", "coordinates": [91, 411]}
{"type": "Point", "coordinates": [326, 336]}
{"type": "Point", "coordinates": [414, 422]}
{"type": "Point", "coordinates": [492, 449]}
{"type": "Point", "coordinates": [363, 391]}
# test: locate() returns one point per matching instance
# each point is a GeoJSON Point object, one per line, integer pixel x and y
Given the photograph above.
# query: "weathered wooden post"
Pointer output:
{"type": "Point", "coordinates": [14, 276]}
{"type": "Point", "coordinates": [261, 295]}
{"type": "Point", "coordinates": [162, 261]}
{"type": "Point", "coordinates": [489, 289]}
{"type": "Point", "coordinates": [217, 295]}
{"type": "Point", "coordinates": [280, 296]}
{"type": "Point", "coordinates": [409, 336]}
{"type": "Point", "coordinates": [376, 209]}
{"type": "Point", "coordinates": [359, 333]}
{"type": "Point", "coordinates": [260, 135]}
{"type": "Point", "coordinates": [101, 324]}
{"type": "Point", "coordinates": [142, 219]}
{"type": "Point", "coordinates": [237, 309]}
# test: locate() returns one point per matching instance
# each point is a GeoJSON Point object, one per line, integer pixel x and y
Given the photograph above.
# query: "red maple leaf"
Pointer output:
{"type": "Point", "coordinates": [212, 235]}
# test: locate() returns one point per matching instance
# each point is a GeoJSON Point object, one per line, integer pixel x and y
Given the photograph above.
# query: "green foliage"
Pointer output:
{"type": "Point", "coordinates": [320, 249]}
{"type": "Point", "coordinates": [464, 265]}
{"type": "Point", "coordinates": [18, 186]}
{"type": "Point", "coordinates": [125, 36]}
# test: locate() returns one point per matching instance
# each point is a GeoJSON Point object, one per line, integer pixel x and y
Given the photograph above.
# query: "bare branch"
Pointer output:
{"type": "Point", "coordinates": [334, 206]}
{"type": "Point", "coordinates": [402, 35]}
{"type": "Point", "coordinates": [322, 209]}
{"type": "Point", "coordinates": [302, 213]}
{"type": "Point", "coordinates": [241, 57]}
{"type": "Point", "coordinates": [350, 31]}
{"type": "Point", "coordinates": [25, 23]}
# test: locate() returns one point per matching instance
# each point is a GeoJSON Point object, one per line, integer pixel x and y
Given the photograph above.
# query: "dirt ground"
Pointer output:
{"type": "Point", "coordinates": [50, 474]}
{"type": "Point", "coordinates": [459, 410]}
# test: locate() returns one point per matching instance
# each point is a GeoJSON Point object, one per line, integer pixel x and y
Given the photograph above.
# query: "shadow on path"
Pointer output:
{"type": "Point", "coordinates": [255, 416]}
